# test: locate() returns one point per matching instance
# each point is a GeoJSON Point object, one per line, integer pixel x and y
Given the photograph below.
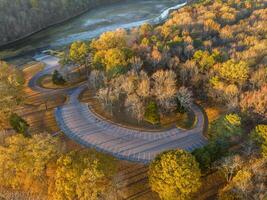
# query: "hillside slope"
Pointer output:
{"type": "Point", "coordinates": [20, 18]}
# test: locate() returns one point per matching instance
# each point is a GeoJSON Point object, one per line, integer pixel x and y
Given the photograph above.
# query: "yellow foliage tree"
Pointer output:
{"type": "Point", "coordinates": [234, 72]}
{"type": "Point", "coordinates": [259, 135]}
{"type": "Point", "coordinates": [11, 83]}
{"type": "Point", "coordinates": [110, 40]}
{"type": "Point", "coordinates": [84, 175]}
{"type": "Point", "coordinates": [114, 58]}
{"type": "Point", "coordinates": [78, 52]}
{"type": "Point", "coordinates": [174, 175]}
{"type": "Point", "coordinates": [23, 161]}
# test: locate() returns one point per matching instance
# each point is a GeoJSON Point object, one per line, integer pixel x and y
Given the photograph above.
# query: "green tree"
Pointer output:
{"type": "Point", "coordinates": [19, 124]}
{"type": "Point", "coordinates": [210, 153]}
{"type": "Point", "coordinates": [259, 136]}
{"type": "Point", "coordinates": [57, 78]}
{"type": "Point", "coordinates": [152, 113]}
{"type": "Point", "coordinates": [174, 175]}
{"type": "Point", "coordinates": [226, 126]}
{"type": "Point", "coordinates": [203, 157]}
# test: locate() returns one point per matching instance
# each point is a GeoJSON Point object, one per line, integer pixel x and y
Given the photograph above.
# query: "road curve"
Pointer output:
{"type": "Point", "coordinates": [80, 123]}
{"type": "Point", "coordinates": [51, 64]}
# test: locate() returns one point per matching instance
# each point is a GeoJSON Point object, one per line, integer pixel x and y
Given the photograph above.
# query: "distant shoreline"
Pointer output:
{"type": "Point", "coordinates": [156, 21]}
{"type": "Point", "coordinates": [26, 36]}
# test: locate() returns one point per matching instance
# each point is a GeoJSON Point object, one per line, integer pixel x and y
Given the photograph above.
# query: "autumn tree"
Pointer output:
{"type": "Point", "coordinates": [156, 57]}
{"type": "Point", "coordinates": [226, 33]}
{"type": "Point", "coordinates": [237, 189]}
{"type": "Point", "coordinates": [82, 175]}
{"type": "Point", "coordinates": [224, 93]}
{"type": "Point", "coordinates": [173, 63]}
{"type": "Point", "coordinates": [99, 59]}
{"type": "Point", "coordinates": [211, 26]}
{"type": "Point", "coordinates": [114, 58]}
{"type": "Point", "coordinates": [110, 40]}
{"type": "Point", "coordinates": [145, 29]}
{"type": "Point", "coordinates": [137, 89]}
{"type": "Point", "coordinates": [78, 52]}
{"type": "Point", "coordinates": [23, 161]}
{"type": "Point", "coordinates": [136, 64]}
{"type": "Point", "coordinates": [11, 83]}
{"type": "Point", "coordinates": [174, 175]}
{"type": "Point", "coordinates": [234, 72]}
{"type": "Point", "coordinates": [96, 79]}
{"type": "Point", "coordinates": [108, 96]}
{"type": "Point", "coordinates": [144, 85]}
{"type": "Point", "coordinates": [247, 183]}
{"type": "Point", "coordinates": [135, 106]}
{"type": "Point", "coordinates": [228, 166]}
{"type": "Point", "coordinates": [188, 71]}
{"type": "Point", "coordinates": [204, 60]}
{"type": "Point", "coordinates": [110, 51]}
{"type": "Point", "coordinates": [184, 99]}
{"type": "Point", "coordinates": [259, 136]}
{"type": "Point", "coordinates": [164, 88]}
{"type": "Point", "coordinates": [258, 78]}
{"type": "Point", "coordinates": [255, 102]}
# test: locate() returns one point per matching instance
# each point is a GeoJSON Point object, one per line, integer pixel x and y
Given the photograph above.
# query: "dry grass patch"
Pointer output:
{"type": "Point", "coordinates": [31, 69]}
{"type": "Point", "coordinates": [213, 112]}
{"type": "Point", "coordinates": [210, 187]}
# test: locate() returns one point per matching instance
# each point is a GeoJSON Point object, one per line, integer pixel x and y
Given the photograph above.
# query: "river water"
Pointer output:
{"type": "Point", "coordinates": [127, 14]}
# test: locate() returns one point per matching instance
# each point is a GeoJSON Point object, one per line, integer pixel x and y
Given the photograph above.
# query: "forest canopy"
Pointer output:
{"type": "Point", "coordinates": [214, 49]}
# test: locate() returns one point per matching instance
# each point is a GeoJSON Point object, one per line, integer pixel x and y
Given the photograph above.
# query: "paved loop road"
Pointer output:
{"type": "Point", "coordinates": [78, 122]}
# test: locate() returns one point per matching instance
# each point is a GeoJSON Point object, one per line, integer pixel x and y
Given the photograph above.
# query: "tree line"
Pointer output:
{"type": "Point", "coordinates": [217, 50]}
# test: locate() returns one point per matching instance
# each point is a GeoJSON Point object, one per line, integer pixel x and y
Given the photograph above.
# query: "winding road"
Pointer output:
{"type": "Point", "coordinates": [81, 124]}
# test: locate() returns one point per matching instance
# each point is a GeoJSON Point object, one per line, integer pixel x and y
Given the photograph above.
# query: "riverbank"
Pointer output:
{"type": "Point", "coordinates": [90, 25]}
{"type": "Point", "coordinates": [26, 32]}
